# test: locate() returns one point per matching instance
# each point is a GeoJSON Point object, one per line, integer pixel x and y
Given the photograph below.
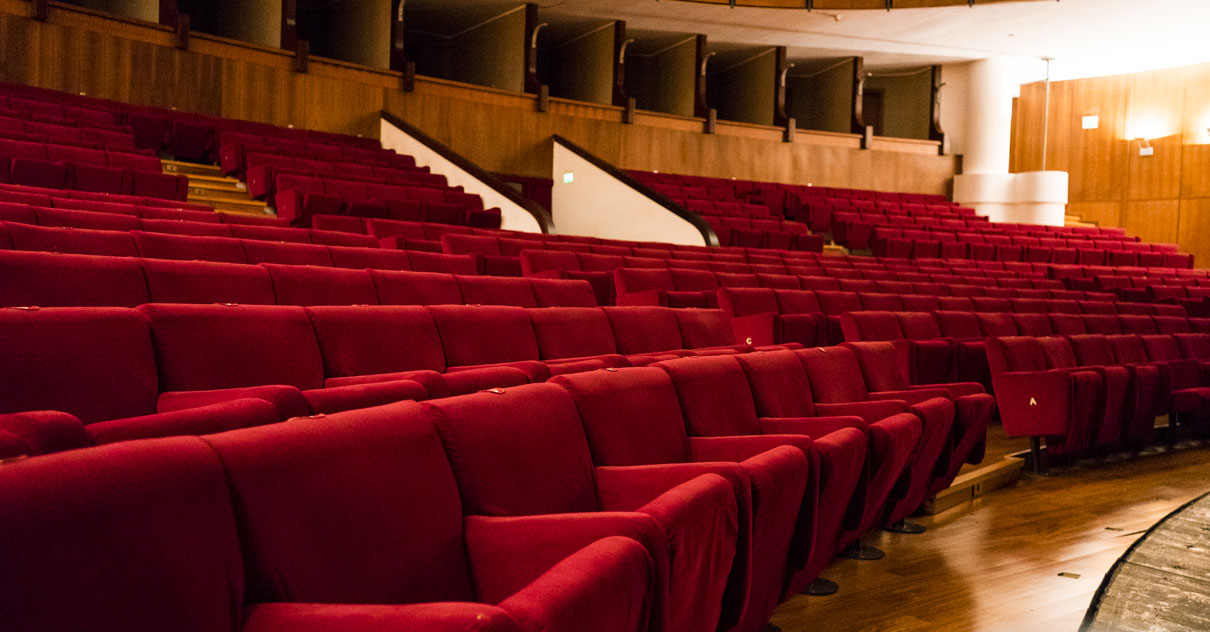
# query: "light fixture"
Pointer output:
{"type": "Point", "coordinates": [1091, 121]}
{"type": "Point", "coordinates": [568, 177]}
{"type": "Point", "coordinates": [1145, 148]}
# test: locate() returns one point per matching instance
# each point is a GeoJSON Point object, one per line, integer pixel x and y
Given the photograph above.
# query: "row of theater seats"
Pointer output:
{"type": "Point", "coordinates": [149, 207]}
{"type": "Point", "coordinates": [235, 147]}
{"type": "Point", "coordinates": [300, 198]}
{"type": "Point", "coordinates": [39, 111]}
{"type": "Point", "coordinates": [735, 220]}
{"type": "Point", "coordinates": [859, 231]}
{"type": "Point", "coordinates": [723, 524]}
{"type": "Point", "coordinates": [136, 243]}
{"type": "Point", "coordinates": [63, 280]}
{"type": "Point", "coordinates": [694, 283]}
{"type": "Point", "coordinates": [119, 372]}
{"type": "Point", "coordinates": [186, 135]}
{"type": "Point", "coordinates": [948, 246]}
{"type": "Point", "coordinates": [1087, 392]}
{"type": "Point", "coordinates": [55, 166]}
{"type": "Point", "coordinates": [854, 229]}
{"type": "Point", "coordinates": [683, 287]}
{"type": "Point", "coordinates": [22, 126]}
{"type": "Point", "coordinates": [815, 317]}
{"type": "Point", "coordinates": [1191, 292]}
{"type": "Point", "coordinates": [263, 169]}
{"type": "Point", "coordinates": [821, 213]}
{"type": "Point", "coordinates": [965, 345]}
{"type": "Point", "coordinates": [91, 215]}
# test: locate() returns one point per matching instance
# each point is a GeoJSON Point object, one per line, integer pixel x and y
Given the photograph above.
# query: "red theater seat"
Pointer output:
{"type": "Point", "coordinates": [213, 353]}
{"type": "Point", "coordinates": [631, 418]}
{"type": "Point", "coordinates": [535, 473]}
{"type": "Point", "coordinates": [1037, 401]}
{"type": "Point", "coordinates": [371, 497]}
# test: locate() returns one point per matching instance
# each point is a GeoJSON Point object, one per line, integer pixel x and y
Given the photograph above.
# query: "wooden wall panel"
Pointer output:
{"type": "Point", "coordinates": [80, 51]}
{"type": "Point", "coordinates": [1153, 220]}
{"type": "Point", "coordinates": [1164, 197]}
{"type": "Point", "coordinates": [1194, 229]}
{"type": "Point", "coordinates": [1098, 156]}
{"type": "Point", "coordinates": [1103, 213]}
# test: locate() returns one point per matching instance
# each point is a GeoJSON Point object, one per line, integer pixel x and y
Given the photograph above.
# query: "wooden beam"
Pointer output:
{"type": "Point", "coordinates": [289, 24]}
{"type": "Point", "coordinates": [781, 66]}
{"type": "Point", "coordinates": [38, 9]}
{"type": "Point", "coordinates": [857, 123]}
{"type": "Point", "coordinates": [935, 131]}
{"type": "Point", "coordinates": [619, 63]}
{"type": "Point", "coordinates": [532, 26]}
{"type": "Point", "coordinates": [399, 56]}
{"type": "Point", "coordinates": [302, 53]}
{"type": "Point", "coordinates": [701, 107]}
{"type": "Point", "coordinates": [181, 35]}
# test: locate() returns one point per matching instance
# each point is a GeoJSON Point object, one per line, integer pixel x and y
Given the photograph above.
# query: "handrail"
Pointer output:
{"type": "Point", "coordinates": [498, 185]}
{"type": "Point", "coordinates": [655, 196]}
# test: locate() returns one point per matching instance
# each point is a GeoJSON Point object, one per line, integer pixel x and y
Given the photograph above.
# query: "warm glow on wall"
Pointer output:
{"type": "Point", "coordinates": [1199, 130]}
{"type": "Point", "coordinates": [1151, 126]}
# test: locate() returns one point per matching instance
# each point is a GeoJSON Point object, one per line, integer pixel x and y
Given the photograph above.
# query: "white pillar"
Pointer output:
{"type": "Point", "coordinates": [1038, 197]}
{"type": "Point", "coordinates": [989, 119]}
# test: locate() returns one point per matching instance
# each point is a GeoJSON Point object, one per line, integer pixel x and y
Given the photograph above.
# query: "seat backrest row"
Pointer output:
{"type": "Point", "coordinates": [150, 207]}
{"type": "Point", "coordinates": [886, 325]}
{"type": "Point", "coordinates": [65, 280]}
{"type": "Point", "coordinates": [99, 216]}
{"type": "Point", "coordinates": [739, 302]}
{"type": "Point", "coordinates": [136, 243]}
{"type": "Point", "coordinates": [108, 363]}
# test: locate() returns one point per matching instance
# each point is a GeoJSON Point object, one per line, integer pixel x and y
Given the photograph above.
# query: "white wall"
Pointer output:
{"type": "Point", "coordinates": [513, 216]}
{"type": "Point", "coordinates": [598, 205]}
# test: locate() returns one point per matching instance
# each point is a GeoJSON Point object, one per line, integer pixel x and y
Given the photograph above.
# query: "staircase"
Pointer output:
{"type": "Point", "coordinates": [1076, 220]}
{"type": "Point", "coordinates": [208, 185]}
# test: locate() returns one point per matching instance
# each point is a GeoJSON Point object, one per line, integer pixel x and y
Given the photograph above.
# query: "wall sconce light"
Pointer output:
{"type": "Point", "coordinates": [1145, 148]}
{"type": "Point", "coordinates": [1090, 122]}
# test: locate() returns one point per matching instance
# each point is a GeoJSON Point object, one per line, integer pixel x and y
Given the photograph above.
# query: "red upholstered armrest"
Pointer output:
{"type": "Point", "coordinates": [870, 411]}
{"type": "Point", "coordinates": [602, 587]}
{"type": "Point", "coordinates": [340, 398]}
{"type": "Point", "coordinates": [955, 389]}
{"type": "Point", "coordinates": [288, 399]}
{"type": "Point", "coordinates": [41, 432]}
{"type": "Point", "coordinates": [814, 427]}
{"type": "Point", "coordinates": [428, 617]}
{"type": "Point", "coordinates": [220, 417]}
{"type": "Point", "coordinates": [737, 449]}
{"type": "Point", "coordinates": [911, 396]}
{"type": "Point", "coordinates": [631, 487]}
{"type": "Point", "coordinates": [534, 370]}
{"type": "Point", "coordinates": [473, 380]}
{"type": "Point", "coordinates": [504, 551]}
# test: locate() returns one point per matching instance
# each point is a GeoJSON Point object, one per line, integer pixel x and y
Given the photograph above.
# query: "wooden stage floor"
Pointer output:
{"type": "Point", "coordinates": [1021, 559]}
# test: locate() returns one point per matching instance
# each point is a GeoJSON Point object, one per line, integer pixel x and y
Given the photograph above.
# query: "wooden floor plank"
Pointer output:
{"type": "Point", "coordinates": [993, 565]}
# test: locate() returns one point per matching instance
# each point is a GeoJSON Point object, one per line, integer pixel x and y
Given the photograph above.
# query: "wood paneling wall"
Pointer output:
{"type": "Point", "coordinates": [1164, 197]}
{"type": "Point", "coordinates": [78, 51]}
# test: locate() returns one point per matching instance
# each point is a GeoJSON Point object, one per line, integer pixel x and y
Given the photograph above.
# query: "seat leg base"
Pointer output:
{"type": "Point", "coordinates": [820, 587]}
{"type": "Point", "coordinates": [904, 526]}
{"type": "Point", "coordinates": [861, 551]}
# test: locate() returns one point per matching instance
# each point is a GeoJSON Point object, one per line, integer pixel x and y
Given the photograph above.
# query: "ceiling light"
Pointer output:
{"type": "Point", "coordinates": [1090, 122]}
